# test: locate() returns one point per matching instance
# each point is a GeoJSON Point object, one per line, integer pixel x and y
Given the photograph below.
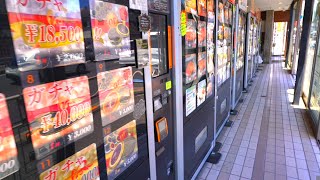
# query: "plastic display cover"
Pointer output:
{"type": "Point", "coordinates": [59, 113]}
{"type": "Point", "coordinates": [210, 80]}
{"type": "Point", "coordinates": [121, 149]}
{"type": "Point", "coordinates": [202, 61]}
{"type": "Point", "coordinates": [191, 6]}
{"type": "Point", "coordinates": [115, 94]}
{"type": "Point", "coordinates": [202, 34]}
{"type": "Point", "coordinates": [202, 8]}
{"type": "Point", "coordinates": [81, 165]}
{"type": "Point", "coordinates": [191, 68]}
{"type": "Point", "coordinates": [46, 33]}
{"type": "Point", "coordinates": [191, 98]}
{"type": "Point", "coordinates": [191, 36]}
{"type": "Point", "coordinates": [202, 88]}
{"type": "Point", "coordinates": [8, 152]}
{"type": "Point", "coordinates": [210, 4]}
{"type": "Point", "coordinates": [110, 30]}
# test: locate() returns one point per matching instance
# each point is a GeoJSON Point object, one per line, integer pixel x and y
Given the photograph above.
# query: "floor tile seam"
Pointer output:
{"type": "Point", "coordinates": [264, 119]}
{"type": "Point", "coordinates": [250, 95]}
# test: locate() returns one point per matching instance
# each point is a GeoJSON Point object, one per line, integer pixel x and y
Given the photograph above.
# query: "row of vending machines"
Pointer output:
{"type": "Point", "coordinates": [118, 89]}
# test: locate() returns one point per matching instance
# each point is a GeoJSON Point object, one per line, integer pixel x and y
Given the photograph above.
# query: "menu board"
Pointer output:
{"type": "Point", "coordinates": [46, 33]}
{"type": "Point", "coordinates": [191, 35]}
{"type": "Point", "coordinates": [141, 5]}
{"type": "Point", "coordinates": [159, 5]}
{"type": "Point", "coordinates": [202, 61]}
{"type": "Point", "coordinates": [82, 165]}
{"type": "Point", "coordinates": [110, 30]}
{"type": "Point", "coordinates": [116, 94]}
{"type": "Point", "coordinates": [59, 113]}
{"type": "Point", "coordinates": [202, 34]}
{"type": "Point", "coordinates": [190, 68]}
{"type": "Point", "coordinates": [202, 88]}
{"type": "Point", "coordinates": [121, 149]}
{"type": "Point", "coordinates": [191, 98]}
{"type": "Point", "coordinates": [8, 152]}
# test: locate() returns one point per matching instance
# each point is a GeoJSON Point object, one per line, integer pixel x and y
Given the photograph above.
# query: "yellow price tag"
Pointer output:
{"type": "Point", "coordinates": [183, 19]}
{"type": "Point", "coordinates": [168, 85]}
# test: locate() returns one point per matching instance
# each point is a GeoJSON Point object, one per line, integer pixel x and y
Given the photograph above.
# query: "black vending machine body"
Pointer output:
{"type": "Point", "coordinates": [198, 51]}
{"type": "Point", "coordinates": [161, 55]}
{"type": "Point", "coordinates": [73, 97]}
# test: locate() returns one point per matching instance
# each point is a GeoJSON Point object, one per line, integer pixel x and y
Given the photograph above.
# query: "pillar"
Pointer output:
{"type": "Point", "coordinates": [268, 41]}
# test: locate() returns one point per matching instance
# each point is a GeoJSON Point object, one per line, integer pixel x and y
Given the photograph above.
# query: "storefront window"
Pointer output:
{"type": "Point", "coordinates": [311, 51]}
{"type": "Point", "coordinates": [315, 92]}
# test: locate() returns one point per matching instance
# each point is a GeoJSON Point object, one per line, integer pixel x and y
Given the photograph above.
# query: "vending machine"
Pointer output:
{"type": "Point", "coordinates": [248, 63]}
{"type": "Point", "coordinates": [198, 74]}
{"type": "Point", "coordinates": [255, 50]}
{"type": "Point", "coordinates": [238, 64]}
{"type": "Point", "coordinates": [224, 51]}
{"type": "Point", "coordinates": [162, 87]}
{"type": "Point", "coordinates": [77, 97]}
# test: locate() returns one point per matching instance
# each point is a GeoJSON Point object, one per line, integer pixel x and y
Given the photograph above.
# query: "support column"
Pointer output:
{"type": "Point", "coordinates": [290, 34]}
{"type": "Point", "coordinates": [307, 20]}
{"type": "Point", "coordinates": [268, 41]}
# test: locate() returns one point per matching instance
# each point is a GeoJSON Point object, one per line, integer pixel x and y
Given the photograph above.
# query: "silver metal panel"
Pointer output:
{"type": "Point", "coordinates": [252, 57]}
{"type": "Point", "coordinates": [246, 54]}
{"type": "Point", "coordinates": [222, 126]}
{"type": "Point", "coordinates": [202, 163]}
{"type": "Point", "coordinates": [150, 119]}
{"type": "Point", "coordinates": [234, 64]}
{"type": "Point", "coordinates": [215, 73]}
{"type": "Point", "coordinates": [178, 89]}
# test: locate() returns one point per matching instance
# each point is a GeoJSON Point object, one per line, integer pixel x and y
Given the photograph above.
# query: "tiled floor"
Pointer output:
{"type": "Point", "coordinates": [270, 139]}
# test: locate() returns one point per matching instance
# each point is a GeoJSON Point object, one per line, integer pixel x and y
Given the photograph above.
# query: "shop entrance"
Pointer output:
{"type": "Point", "coordinates": [279, 38]}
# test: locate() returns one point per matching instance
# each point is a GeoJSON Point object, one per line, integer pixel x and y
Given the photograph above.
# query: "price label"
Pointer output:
{"type": "Point", "coordinates": [168, 85]}
{"type": "Point", "coordinates": [183, 19]}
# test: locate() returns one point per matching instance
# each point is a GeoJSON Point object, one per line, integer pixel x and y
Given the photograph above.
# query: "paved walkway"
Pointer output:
{"type": "Point", "coordinates": [270, 139]}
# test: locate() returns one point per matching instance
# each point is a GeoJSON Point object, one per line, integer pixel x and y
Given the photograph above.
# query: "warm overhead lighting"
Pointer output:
{"type": "Point", "coordinates": [280, 2]}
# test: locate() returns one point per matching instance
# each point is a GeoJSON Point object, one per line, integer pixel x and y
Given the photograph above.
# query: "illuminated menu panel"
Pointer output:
{"type": "Point", "coordinates": [8, 152]}
{"type": "Point", "coordinates": [59, 113]}
{"type": "Point", "coordinates": [115, 94]}
{"type": "Point", "coordinates": [82, 165]}
{"type": "Point", "coordinates": [198, 52]}
{"type": "Point", "coordinates": [46, 33]}
{"type": "Point", "coordinates": [121, 148]}
{"type": "Point", "coordinates": [110, 30]}
{"type": "Point", "coordinates": [224, 43]}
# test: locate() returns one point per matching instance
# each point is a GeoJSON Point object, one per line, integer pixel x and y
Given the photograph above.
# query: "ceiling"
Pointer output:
{"type": "Point", "coordinates": [276, 5]}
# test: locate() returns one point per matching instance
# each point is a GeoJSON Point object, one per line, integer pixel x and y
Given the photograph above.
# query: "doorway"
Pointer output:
{"type": "Point", "coordinates": [279, 38]}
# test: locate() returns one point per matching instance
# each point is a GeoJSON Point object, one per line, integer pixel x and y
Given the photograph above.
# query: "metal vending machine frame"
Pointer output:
{"type": "Point", "coordinates": [224, 94]}
{"type": "Point", "coordinates": [104, 136]}
{"type": "Point", "coordinates": [238, 73]}
{"type": "Point", "coordinates": [163, 95]}
{"type": "Point", "coordinates": [178, 88]}
{"type": "Point", "coordinates": [194, 130]}
{"type": "Point", "coordinates": [248, 57]}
